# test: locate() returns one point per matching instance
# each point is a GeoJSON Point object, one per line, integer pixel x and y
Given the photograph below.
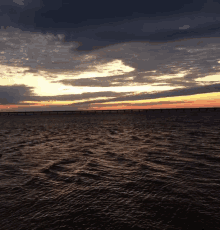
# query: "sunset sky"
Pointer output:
{"type": "Point", "coordinates": [79, 55]}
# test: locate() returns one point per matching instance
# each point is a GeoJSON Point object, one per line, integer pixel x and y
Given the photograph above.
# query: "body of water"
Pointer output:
{"type": "Point", "coordinates": [125, 171]}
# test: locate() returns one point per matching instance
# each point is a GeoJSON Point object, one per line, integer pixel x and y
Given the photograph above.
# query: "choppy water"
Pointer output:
{"type": "Point", "coordinates": [110, 172]}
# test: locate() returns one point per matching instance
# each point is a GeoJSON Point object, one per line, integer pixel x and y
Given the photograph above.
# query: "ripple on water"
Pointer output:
{"type": "Point", "coordinates": [109, 173]}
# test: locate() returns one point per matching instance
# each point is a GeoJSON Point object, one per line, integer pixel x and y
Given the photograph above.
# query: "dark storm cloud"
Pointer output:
{"type": "Point", "coordinates": [99, 24]}
{"type": "Point", "coordinates": [16, 12]}
{"type": "Point", "coordinates": [14, 94]}
{"type": "Point", "coordinates": [162, 29]}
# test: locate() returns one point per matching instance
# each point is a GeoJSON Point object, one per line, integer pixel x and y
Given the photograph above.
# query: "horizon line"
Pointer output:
{"type": "Point", "coordinates": [109, 110]}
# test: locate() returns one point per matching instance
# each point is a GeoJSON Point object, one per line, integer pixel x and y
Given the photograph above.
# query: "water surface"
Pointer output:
{"type": "Point", "coordinates": [125, 171]}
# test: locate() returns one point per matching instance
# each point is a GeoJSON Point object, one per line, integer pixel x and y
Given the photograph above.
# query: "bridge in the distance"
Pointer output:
{"type": "Point", "coordinates": [121, 111]}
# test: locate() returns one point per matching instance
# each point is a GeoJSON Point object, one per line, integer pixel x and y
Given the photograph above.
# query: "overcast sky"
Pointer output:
{"type": "Point", "coordinates": [69, 55]}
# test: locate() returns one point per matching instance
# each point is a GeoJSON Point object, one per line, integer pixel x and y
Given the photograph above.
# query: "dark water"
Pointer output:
{"type": "Point", "coordinates": [110, 172]}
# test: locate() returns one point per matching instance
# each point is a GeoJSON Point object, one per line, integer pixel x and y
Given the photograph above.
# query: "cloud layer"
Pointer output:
{"type": "Point", "coordinates": [48, 52]}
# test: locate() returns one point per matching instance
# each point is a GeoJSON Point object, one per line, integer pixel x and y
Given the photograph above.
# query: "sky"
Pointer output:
{"type": "Point", "coordinates": [83, 55]}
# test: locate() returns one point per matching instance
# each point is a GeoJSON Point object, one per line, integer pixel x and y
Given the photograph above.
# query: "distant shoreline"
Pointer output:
{"type": "Point", "coordinates": [126, 111]}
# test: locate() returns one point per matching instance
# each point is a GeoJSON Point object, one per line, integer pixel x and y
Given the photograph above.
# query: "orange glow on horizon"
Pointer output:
{"type": "Point", "coordinates": [202, 104]}
{"type": "Point", "coordinates": [189, 101]}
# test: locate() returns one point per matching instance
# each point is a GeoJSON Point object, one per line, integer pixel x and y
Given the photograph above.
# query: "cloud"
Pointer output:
{"type": "Point", "coordinates": [36, 50]}
{"type": "Point", "coordinates": [168, 93]}
{"type": "Point", "coordinates": [19, 2]}
{"type": "Point", "coordinates": [144, 54]}
{"type": "Point", "coordinates": [18, 13]}
{"type": "Point", "coordinates": [211, 6]}
{"type": "Point", "coordinates": [18, 94]}
{"type": "Point", "coordinates": [57, 51]}
{"type": "Point", "coordinates": [133, 65]}
{"type": "Point", "coordinates": [129, 104]}
{"type": "Point", "coordinates": [159, 62]}
{"type": "Point", "coordinates": [160, 29]}
{"type": "Point", "coordinates": [14, 94]}
{"type": "Point", "coordinates": [184, 27]}
{"type": "Point", "coordinates": [72, 97]}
